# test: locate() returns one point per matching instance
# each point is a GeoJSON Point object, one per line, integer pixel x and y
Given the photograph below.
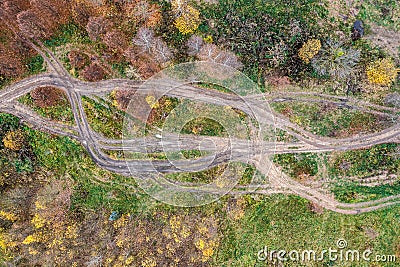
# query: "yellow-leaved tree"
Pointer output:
{"type": "Point", "coordinates": [14, 140]}
{"type": "Point", "coordinates": [187, 17]}
{"type": "Point", "coordinates": [382, 72]}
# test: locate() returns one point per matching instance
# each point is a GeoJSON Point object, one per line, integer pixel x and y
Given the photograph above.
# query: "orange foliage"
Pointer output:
{"type": "Point", "coordinates": [97, 27]}
{"type": "Point", "coordinates": [116, 40]}
{"type": "Point", "coordinates": [142, 61]}
{"type": "Point", "coordinates": [47, 96]}
{"type": "Point", "coordinates": [78, 59]}
{"type": "Point", "coordinates": [94, 72]}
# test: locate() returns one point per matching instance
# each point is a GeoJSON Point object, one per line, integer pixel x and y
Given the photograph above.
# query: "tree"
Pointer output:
{"type": "Point", "coordinates": [94, 72]}
{"type": "Point", "coordinates": [47, 96]}
{"type": "Point", "coordinates": [142, 61]}
{"type": "Point", "coordinates": [335, 60]}
{"type": "Point", "coordinates": [78, 59]}
{"type": "Point", "coordinates": [30, 24]}
{"type": "Point", "coordinates": [51, 13]}
{"type": "Point", "coordinates": [123, 97]}
{"type": "Point", "coordinates": [97, 27]}
{"type": "Point", "coordinates": [143, 12]}
{"type": "Point", "coordinates": [82, 10]}
{"type": "Point", "coordinates": [144, 39]}
{"type": "Point", "coordinates": [187, 17]}
{"type": "Point", "coordinates": [161, 51]}
{"type": "Point", "coordinates": [10, 63]}
{"type": "Point", "coordinates": [211, 53]}
{"type": "Point", "coordinates": [116, 40]}
{"type": "Point", "coordinates": [13, 7]}
{"type": "Point", "coordinates": [154, 46]}
{"type": "Point", "coordinates": [194, 45]}
{"type": "Point", "coordinates": [382, 72]}
{"type": "Point", "coordinates": [309, 50]}
{"type": "Point", "coordinates": [14, 140]}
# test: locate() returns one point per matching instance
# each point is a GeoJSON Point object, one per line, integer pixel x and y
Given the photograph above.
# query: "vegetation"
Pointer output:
{"type": "Point", "coordinates": [309, 50]}
{"type": "Point", "coordinates": [366, 162]}
{"type": "Point", "coordinates": [382, 72]}
{"type": "Point", "coordinates": [330, 120]}
{"type": "Point", "coordinates": [104, 118]}
{"type": "Point", "coordinates": [57, 208]}
{"type": "Point", "coordinates": [54, 106]}
{"type": "Point", "coordinates": [188, 17]}
{"type": "Point", "coordinates": [299, 166]}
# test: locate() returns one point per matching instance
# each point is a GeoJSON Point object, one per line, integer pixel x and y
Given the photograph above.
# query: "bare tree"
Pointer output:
{"type": "Point", "coordinates": [155, 46]}
{"type": "Point", "coordinates": [161, 51]}
{"type": "Point", "coordinates": [115, 40]}
{"type": "Point", "coordinates": [30, 24]}
{"type": "Point", "coordinates": [97, 27]}
{"type": "Point", "coordinates": [194, 45]}
{"type": "Point", "coordinates": [211, 53]}
{"type": "Point", "coordinates": [144, 39]}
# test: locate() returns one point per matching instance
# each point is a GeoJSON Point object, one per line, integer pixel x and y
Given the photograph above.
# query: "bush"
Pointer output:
{"type": "Point", "coordinates": [382, 72]}
{"type": "Point", "coordinates": [252, 29]}
{"type": "Point", "coordinates": [335, 60]}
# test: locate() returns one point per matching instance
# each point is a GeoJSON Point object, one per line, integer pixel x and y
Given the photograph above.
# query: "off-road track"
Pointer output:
{"type": "Point", "coordinates": [276, 182]}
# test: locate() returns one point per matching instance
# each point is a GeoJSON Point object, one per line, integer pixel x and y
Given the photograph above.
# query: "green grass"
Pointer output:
{"type": "Point", "coordinates": [364, 162]}
{"type": "Point", "coordinates": [286, 222]}
{"type": "Point", "coordinates": [181, 155]}
{"type": "Point", "coordinates": [68, 33]}
{"type": "Point", "coordinates": [104, 118]}
{"type": "Point", "coordinates": [250, 28]}
{"type": "Point", "coordinates": [120, 68]}
{"type": "Point", "coordinates": [55, 153]}
{"type": "Point", "coordinates": [206, 176]}
{"type": "Point", "coordinates": [35, 65]}
{"type": "Point", "coordinates": [296, 165]}
{"type": "Point", "coordinates": [61, 112]}
{"type": "Point", "coordinates": [383, 13]}
{"type": "Point", "coordinates": [278, 222]}
{"type": "Point", "coordinates": [351, 192]}
{"type": "Point", "coordinates": [329, 120]}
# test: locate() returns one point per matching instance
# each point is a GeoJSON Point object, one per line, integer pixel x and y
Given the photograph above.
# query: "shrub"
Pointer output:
{"type": "Point", "coordinates": [78, 59]}
{"type": "Point", "coordinates": [97, 27]}
{"type": "Point", "coordinates": [336, 61]}
{"type": "Point", "coordinates": [382, 72]}
{"type": "Point", "coordinates": [309, 50]}
{"type": "Point", "coordinates": [47, 96]}
{"type": "Point", "coordinates": [14, 140]}
{"type": "Point", "coordinates": [188, 18]}
{"type": "Point", "coordinates": [94, 72]}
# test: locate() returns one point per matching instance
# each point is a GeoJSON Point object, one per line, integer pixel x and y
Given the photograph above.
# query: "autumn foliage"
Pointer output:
{"type": "Point", "coordinates": [187, 17]}
{"type": "Point", "coordinates": [47, 96]}
{"type": "Point", "coordinates": [78, 59]}
{"type": "Point", "coordinates": [14, 140]}
{"type": "Point", "coordinates": [94, 72]}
